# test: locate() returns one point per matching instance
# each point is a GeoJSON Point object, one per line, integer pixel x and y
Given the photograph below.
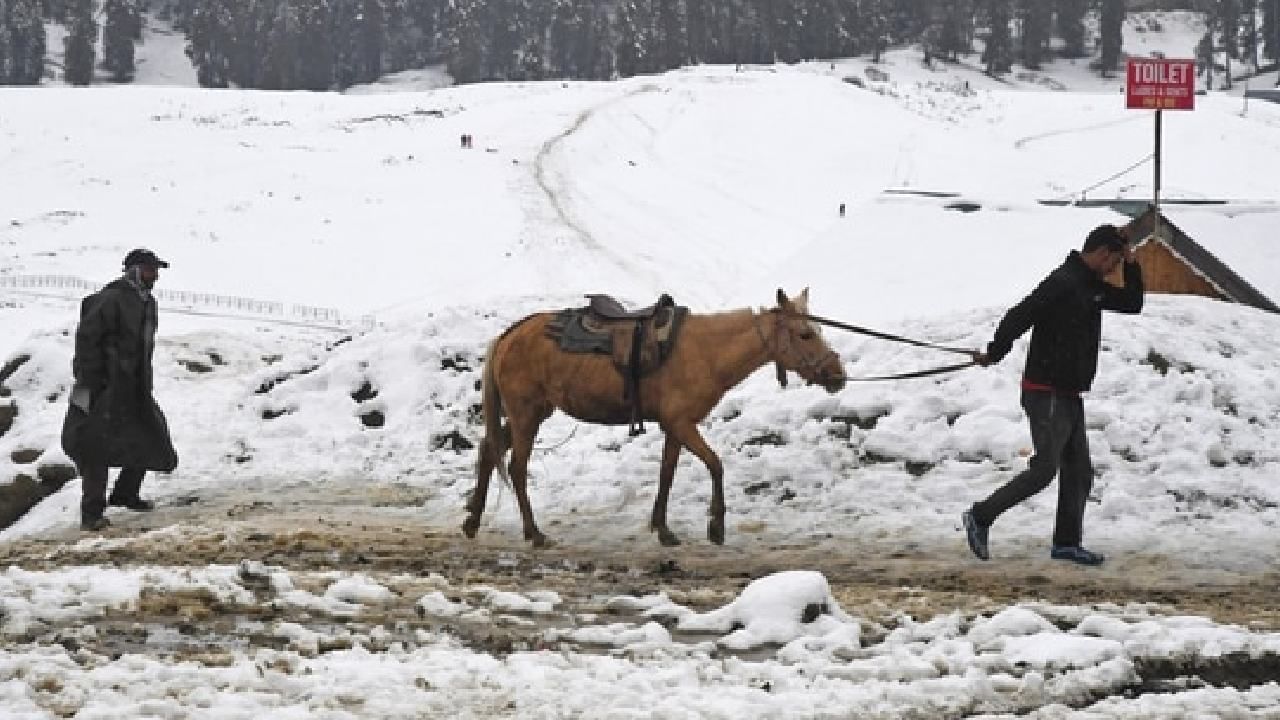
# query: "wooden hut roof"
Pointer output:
{"type": "Point", "coordinates": [1201, 261]}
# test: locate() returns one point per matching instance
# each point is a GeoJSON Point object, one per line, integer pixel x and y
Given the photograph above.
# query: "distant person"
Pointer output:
{"type": "Point", "coordinates": [841, 209]}
{"type": "Point", "coordinates": [1066, 314]}
{"type": "Point", "coordinates": [112, 419]}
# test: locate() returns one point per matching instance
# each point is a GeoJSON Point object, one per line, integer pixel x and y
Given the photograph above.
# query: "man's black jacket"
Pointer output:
{"type": "Point", "coordinates": [1066, 312]}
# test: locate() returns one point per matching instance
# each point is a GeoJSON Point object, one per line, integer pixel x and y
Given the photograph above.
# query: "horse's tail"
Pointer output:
{"type": "Point", "coordinates": [494, 444]}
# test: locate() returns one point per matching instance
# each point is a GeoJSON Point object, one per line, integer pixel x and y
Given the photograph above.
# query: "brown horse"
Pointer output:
{"type": "Point", "coordinates": [527, 377]}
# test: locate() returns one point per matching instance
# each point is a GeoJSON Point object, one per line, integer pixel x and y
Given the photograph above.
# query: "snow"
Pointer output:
{"type": "Point", "coordinates": [1017, 658]}
{"type": "Point", "coordinates": [717, 186]}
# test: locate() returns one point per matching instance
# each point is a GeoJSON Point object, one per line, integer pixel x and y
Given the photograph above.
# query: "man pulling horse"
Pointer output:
{"type": "Point", "coordinates": [527, 377]}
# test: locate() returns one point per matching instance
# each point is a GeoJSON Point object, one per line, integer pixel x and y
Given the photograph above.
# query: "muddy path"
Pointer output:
{"type": "Point", "coordinates": [382, 530]}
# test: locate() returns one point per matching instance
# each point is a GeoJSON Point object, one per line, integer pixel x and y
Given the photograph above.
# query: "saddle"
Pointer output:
{"type": "Point", "coordinates": [638, 341]}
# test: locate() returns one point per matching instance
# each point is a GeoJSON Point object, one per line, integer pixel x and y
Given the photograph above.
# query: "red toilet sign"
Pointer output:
{"type": "Point", "coordinates": [1158, 84]}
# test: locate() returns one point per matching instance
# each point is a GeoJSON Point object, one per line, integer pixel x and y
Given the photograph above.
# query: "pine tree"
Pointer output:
{"type": "Point", "coordinates": [1071, 14]}
{"type": "Point", "coordinates": [1036, 20]}
{"type": "Point", "coordinates": [26, 42]}
{"type": "Point", "coordinates": [997, 57]}
{"type": "Point", "coordinates": [749, 35]}
{"type": "Point", "coordinates": [4, 42]}
{"type": "Point", "coordinates": [210, 42]}
{"type": "Point", "coordinates": [956, 30]}
{"type": "Point", "coordinates": [465, 30]}
{"type": "Point", "coordinates": [515, 48]}
{"type": "Point", "coordinates": [1228, 12]}
{"type": "Point", "coordinates": [280, 57]}
{"type": "Point", "coordinates": [1249, 33]}
{"type": "Point", "coordinates": [530, 23]}
{"type": "Point", "coordinates": [876, 27]}
{"type": "Point", "coordinates": [1110, 26]}
{"type": "Point", "coordinates": [1204, 58]}
{"type": "Point", "coordinates": [699, 41]}
{"type": "Point", "coordinates": [370, 47]}
{"type": "Point", "coordinates": [346, 42]}
{"type": "Point", "coordinates": [315, 45]}
{"type": "Point", "coordinates": [117, 38]}
{"type": "Point", "coordinates": [634, 36]}
{"type": "Point", "coordinates": [670, 42]}
{"type": "Point", "coordinates": [1271, 31]}
{"type": "Point", "coordinates": [78, 44]}
{"type": "Point", "coordinates": [595, 52]}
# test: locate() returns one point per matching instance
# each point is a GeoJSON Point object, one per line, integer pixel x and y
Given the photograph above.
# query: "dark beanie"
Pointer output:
{"type": "Point", "coordinates": [1108, 236]}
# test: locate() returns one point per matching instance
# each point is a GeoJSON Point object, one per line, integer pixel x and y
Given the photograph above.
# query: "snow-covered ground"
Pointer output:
{"type": "Point", "coordinates": [395, 255]}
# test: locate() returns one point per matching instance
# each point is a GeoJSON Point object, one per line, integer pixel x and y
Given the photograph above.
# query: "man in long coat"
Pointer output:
{"type": "Point", "coordinates": [112, 419]}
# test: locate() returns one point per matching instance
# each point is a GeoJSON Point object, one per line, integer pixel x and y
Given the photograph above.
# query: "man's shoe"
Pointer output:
{"type": "Point", "coordinates": [1076, 554]}
{"type": "Point", "coordinates": [94, 524]}
{"type": "Point", "coordinates": [977, 534]}
{"type": "Point", "coordinates": [135, 504]}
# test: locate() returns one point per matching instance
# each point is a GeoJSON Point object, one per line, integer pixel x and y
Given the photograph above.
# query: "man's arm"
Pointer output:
{"type": "Point", "coordinates": [89, 365]}
{"type": "Point", "coordinates": [1021, 317]}
{"type": "Point", "coordinates": [1127, 299]}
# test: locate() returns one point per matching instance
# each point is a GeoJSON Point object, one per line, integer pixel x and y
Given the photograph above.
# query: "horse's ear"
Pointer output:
{"type": "Point", "coordinates": [802, 301]}
{"type": "Point", "coordinates": [783, 302]}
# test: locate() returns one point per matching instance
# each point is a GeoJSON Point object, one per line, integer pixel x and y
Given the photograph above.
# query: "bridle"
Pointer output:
{"type": "Point", "coordinates": [808, 362]}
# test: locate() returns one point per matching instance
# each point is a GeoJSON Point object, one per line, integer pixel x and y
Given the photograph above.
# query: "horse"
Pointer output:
{"type": "Point", "coordinates": [527, 377]}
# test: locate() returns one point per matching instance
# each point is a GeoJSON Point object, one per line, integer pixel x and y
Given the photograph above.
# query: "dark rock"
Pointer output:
{"type": "Point", "coordinates": [196, 366]}
{"type": "Point", "coordinates": [55, 475]}
{"type": "Point", "coordinates": [7, 414]}
{"type": "Point", "coordinates": [25, 455]}
{"type": "Point", "coordinates": [452, 440]}
{"type": "Point", "coordinates": [364, 392]}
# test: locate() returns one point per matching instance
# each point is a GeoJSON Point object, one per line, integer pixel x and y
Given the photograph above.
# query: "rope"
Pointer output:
{"type": "Point", "coordinates": [557, 445]}
{"type": "Point", "coordinates": [888, 336]}
{"type": "Point", "coordinates": [1100, 183]}
{"type": "Point", "coordinates": [972, 354]}
{"type": "Point", "coordinates": [916, 373]}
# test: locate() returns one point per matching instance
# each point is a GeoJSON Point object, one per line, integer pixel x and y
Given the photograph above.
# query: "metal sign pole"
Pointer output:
{"type": "Point", "coordinates": [1155, 205]}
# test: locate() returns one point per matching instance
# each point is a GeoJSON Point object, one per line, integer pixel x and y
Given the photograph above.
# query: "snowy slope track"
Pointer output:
{"type": "Point", "coordinates": [555, 187]}
{"type": "Point", "coordinates": [1023, 142]}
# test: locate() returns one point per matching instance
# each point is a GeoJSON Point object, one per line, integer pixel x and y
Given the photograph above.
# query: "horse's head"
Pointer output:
{"type": "Point", "coordinates": [798, 345]}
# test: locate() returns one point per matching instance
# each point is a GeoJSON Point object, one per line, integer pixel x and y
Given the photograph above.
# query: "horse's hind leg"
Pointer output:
{"type": "Point", "coordinates": [670, 454]}
{"type": "Point", "coordinates": [485, 464]}
{"type": "Point", "coordinates": [692, 439]}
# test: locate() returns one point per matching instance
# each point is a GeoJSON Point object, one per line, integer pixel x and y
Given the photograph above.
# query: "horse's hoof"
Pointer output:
{"type": "Point", "coordinates": [470, 526]}
{"type": "Point", "coordinates": [537, 539]}
{"type": "Point", "coordinates": [668, 538]}
{"type": "Point", "coordinates": [715, 532]}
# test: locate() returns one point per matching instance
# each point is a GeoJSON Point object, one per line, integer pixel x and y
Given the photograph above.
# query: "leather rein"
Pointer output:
{"type": "Point", "coordinates": [972, 354]}
{"type": "Point", "coordinates": [775, 350]}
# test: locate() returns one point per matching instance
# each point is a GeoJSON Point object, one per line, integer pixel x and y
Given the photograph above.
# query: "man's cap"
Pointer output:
{"type": "Point", "coordinates": [143, 256]}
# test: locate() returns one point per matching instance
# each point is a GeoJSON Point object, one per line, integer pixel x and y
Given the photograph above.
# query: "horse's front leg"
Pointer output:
{"type": "Point", "coordinates": [670, 454]}
{"type": "Point", "coordinates": [692, 439]}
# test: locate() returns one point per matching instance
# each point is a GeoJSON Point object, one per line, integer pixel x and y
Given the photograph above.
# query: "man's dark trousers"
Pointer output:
{"type": "Point", "coordinates": [1061, 448]}
{"type": "Point", "coordinates": [93, 479]}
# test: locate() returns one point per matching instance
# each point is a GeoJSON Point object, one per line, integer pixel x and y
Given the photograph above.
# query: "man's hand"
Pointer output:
{"type": "Point", "coordinates": [980, 358]}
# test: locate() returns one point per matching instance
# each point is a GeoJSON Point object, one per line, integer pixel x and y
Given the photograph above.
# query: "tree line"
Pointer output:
{"type": "Point", "coordinates": [23, 40]}
{"type": "Point", "coordinates": [326, 44]}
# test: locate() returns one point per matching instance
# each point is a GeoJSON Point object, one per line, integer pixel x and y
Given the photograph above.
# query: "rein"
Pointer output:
{"type": "Point", "coordinates": [905, 340]}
